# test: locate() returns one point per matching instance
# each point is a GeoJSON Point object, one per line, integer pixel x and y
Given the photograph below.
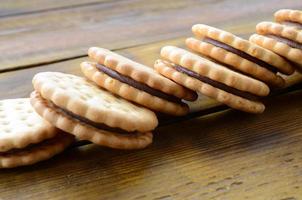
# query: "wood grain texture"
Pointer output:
{"type": "Point", "coordinates": [16, 84]}
{"type": "Point", "coordinates": [11, 8]}
{"type": "Point", "coordinates": [230, 155]}
{"type": "Point", "coordinates": [227, 155]}
{"type": "Point", "coordinates": [57, 35]}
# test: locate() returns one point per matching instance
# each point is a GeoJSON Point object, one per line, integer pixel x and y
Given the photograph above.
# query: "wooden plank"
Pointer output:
{"type": "Point", "coordinates": [52, 36]}
{"type": "Point", "coordinates": [16, 7]}
{"type": "Point", "coordinates": [16, 84]}
{"type": "Point", "coordinates": [230, 155]}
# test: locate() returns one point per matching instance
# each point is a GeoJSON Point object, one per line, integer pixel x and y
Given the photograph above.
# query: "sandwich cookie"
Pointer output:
{"type": "Point", "coordinates": [136, 82]}
{"type": "Point", "coordinates": [288, 17]}
{"type": "Point", "coordinates": [282, 39]}
{"type": "Point", "coordinates": [211, 79]}
{"type": "Point", "coordinates": [239, 54]}
{"type": "Point", "coordinates": [25, 137]}
{"type": "Point", "coordinates": [80, 107]}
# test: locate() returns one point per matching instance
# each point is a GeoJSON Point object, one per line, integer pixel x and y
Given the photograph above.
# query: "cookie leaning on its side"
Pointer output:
{"type": "Point", "coordinates": [239, 54]}
{"type": "Point", "coordinates": [79, 107]}
{"type": "Point", "coordinates": [136, 82]}
{"type": "Point", "coordinates": [289, 17]}
{"type": "Point", "coordinates": [25, 137]}
{"type": "Point", "coordinates": [284, 39]}
{"type": "Point", "coordinates": [211, 79]}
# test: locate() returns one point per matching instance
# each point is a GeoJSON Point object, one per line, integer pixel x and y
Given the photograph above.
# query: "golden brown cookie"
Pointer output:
{"type": "Point", "coordinates": [25, 137]}
{"type": "Point", "coordinates": [282, 39]}
{"type": "Point", "coordinates": [239, 54]}
{"type": "Point", "coordinates": [79, 107]}
{"type": "Point", "coordinates": [289, 17]}
{"type": "Point", "coordinates": [211, 79]}
{"type": "Point", "coordinates": [136, 82]}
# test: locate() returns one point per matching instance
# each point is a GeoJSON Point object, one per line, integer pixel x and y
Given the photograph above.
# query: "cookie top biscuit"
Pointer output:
{"type": "Point", "coordinates": [275, 29]}
{"type": "Point", "coordinates": [267, 58]}
{"type": "Point", "coordinates": [289, 17]}
{"type": "Point", "coordinates": [234, 61]}
{"type": "Point", "coordinates": [213, 70]}
{"type": "Point", "coordinates": [21, 126]}
{"type": "Point", "coordinates": [83, 98]}
{"type": "Point", "coordinates": [271, 28]}
{"type": "Point", "coordinates": [139, 73]}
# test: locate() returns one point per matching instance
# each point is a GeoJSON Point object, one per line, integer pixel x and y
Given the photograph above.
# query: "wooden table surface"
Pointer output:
{"type": "Point", "coordinates": [225, 155]}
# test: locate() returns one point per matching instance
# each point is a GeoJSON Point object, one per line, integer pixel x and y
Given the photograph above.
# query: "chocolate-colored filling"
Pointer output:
{"type": "Point", "coordinates": [89, 122]}
{"type": "Point", "coordinates": [293, 24]}
{"type": "Point", "coordinates": [216, 84]}
{"type": "Point", "coordinates": [137, 84]}
{"type": "Point", "coordinates": [289, 42]}
{"type": "Point", "coordinates": [29, 147]}
{"type": "Point", "coordinates": [241, 54]}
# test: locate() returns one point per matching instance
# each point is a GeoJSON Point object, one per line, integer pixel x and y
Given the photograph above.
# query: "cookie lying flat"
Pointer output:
{"type": "Point", "coordinates": [211, 79]}
{"type": "Point", "coordinates": [79, 107]}
{"type": "Point", "coordinates": [289, 17]}
{"type": "Point", "coordinates": [136, 82]}
{"type": "Point", "coordinates": [282, 39]}
{"type": "Point", "coordinates": [239, 54]}
{"type": "Point", "coordinates": [25, 137]}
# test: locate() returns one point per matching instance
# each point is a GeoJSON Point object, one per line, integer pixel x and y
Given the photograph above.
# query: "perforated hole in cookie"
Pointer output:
{"type": "Point", "coordinates": [20, 102]}
{"type": "Point", "coordinates": [29, 124]}
{"type": "Point", "coordinates": [82, 97]}
{"type": "Point", "coordinates": [106, 106]}
{"type": "Point", "coordinates": [29, 111]}
{"type": "Point", "coordinates": [125, 109]}
{"type": "Point", "coordinates": [4, 123]}
{"type": "Point", "coordinates": [88, 95]}
{"type": "Point", "coordinates": [23, 118]}
{"type": "Point", "coordinates": [77, 87]}
{"type": "Point", "coordinates": [62, 87]}
{"type": "Point", "coordinates": [18, 108]}
{"type": "Point", "coordinates": [6, 130]}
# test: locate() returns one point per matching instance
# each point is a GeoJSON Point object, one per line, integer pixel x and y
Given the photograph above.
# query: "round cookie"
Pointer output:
{"type": "Point", "coordinates": [79, 107]}
{"type": "Point", "coordinates": [281, 39]}
{"type": "Point", "coordinates": [136, 82]}
{"type": "Point", "coordinates": [239, 54]}
{"type": "Point", "coordinates": [211, 79]}
{"type": "Point", "coordinates": [25, 137]}
{"type": "Point", "coordinates": [289, 17]}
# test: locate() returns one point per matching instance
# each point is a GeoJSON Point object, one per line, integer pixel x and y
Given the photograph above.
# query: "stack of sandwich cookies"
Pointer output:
{"type": "Point", "coordinates": [211, 79]}
{"type": "Point", "coordinates": [239, 54]}
{"type": "Point", "coordinates": [284, 39]}
{"type": "Point", "coordinates": [80, 107]}
{"type": "Point", "coordinates": [25, 137]}
{"type": "Point", "coordinates": [136, 82]}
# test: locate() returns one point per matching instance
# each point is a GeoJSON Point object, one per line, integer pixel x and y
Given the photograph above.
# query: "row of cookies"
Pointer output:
{"type": "Point", "coordinates": [235, 71]}
{"type": "Point", "coordinates": [112, 107]}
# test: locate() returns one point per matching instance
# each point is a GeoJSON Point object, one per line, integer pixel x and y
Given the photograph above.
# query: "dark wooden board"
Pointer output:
{"type": "Point", "coordinates": [230, 155]}
{"type": "Point", "coordinates": [226, 155]}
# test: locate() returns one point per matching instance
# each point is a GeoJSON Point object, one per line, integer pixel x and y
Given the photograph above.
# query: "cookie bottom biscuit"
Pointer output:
{"type": "Point", "coordinates": [35, 152]}
{"type": "Point", "coordinates": [84, 131]}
